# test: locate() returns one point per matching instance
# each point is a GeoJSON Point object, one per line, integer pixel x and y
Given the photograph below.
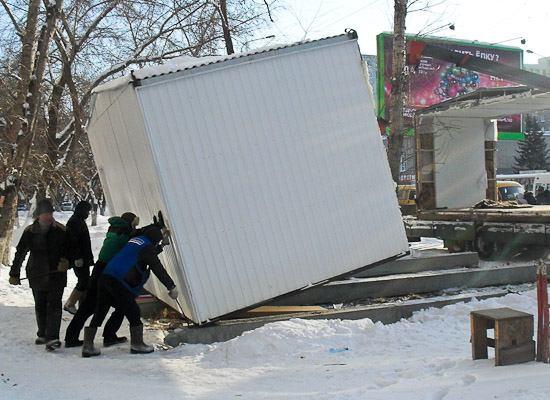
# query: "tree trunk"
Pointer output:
{"type": "Point", "coordinates": [225, 27]}
{"type": "Point", "coordinates": [7, 217]}
{"type": "Point", "coordinates": [398, 86]}
{"type": "Point", "coordinates": [94, 211]}
{"type": "Point", "coordinates": [6, 258]}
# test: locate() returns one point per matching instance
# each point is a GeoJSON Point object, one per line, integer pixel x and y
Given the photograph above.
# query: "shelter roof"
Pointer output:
{"type": "Point", "coordinates": [491, 103]}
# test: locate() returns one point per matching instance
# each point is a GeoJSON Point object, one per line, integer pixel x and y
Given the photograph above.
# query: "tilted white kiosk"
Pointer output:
{"type": "Point", "coordinates": [268, 167]}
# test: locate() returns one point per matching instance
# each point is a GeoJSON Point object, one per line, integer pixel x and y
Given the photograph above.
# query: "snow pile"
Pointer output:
{"type": "Point", "coordinates": [425, 357]}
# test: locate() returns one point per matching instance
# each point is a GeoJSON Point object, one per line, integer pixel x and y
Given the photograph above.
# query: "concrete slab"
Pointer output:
{"type": "Point", "coordinates": [397, 278]}
{"type": "Point", "coordinates": [386, 313]}
{"type": "Point", "coordinates": [410, 264]}
{"type": "Point", "coordinates": [403, 284]}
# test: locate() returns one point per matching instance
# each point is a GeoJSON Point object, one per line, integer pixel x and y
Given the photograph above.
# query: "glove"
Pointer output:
{"type": "Point", "coordinates": [165, 236]}
{"type": "Point", "coordinates": [14, 280]}
{"type": "Point", "coordinates": [79, 263]}
{"type": "Point", "coordinates": [173, 293]}
{"type": "Point", "coordinates": [159, 221]}
{"type": "Point", "coordinates": [63, 265]}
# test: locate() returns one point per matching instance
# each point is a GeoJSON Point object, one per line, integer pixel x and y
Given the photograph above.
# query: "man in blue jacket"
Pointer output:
{"type": "Point", "coordinates": [120, 284]}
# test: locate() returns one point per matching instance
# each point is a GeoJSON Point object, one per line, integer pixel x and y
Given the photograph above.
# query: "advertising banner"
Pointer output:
{"type": "Point", "coordinates": [434, 81]}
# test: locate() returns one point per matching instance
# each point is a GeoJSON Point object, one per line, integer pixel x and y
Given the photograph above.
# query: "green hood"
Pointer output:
{"type": "Point", "coordinates": [118, 222]}
{"type": "Point", "coordinates": [112, 244]}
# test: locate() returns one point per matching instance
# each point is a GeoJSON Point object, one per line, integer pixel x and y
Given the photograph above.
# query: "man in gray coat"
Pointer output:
{"type": "Point", "coordinates": [51, 249]}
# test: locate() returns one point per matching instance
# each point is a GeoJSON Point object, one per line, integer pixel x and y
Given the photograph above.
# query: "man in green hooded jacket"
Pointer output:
{"type": "Point", "coordinates": [121, 229]}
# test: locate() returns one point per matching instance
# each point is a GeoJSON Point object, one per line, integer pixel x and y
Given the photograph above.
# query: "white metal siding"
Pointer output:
{"type": "Point", "coordinates": [461, 179]}
{"type": "Point", "coordinates": [274, 175]}
{"type": "Point", "coordinates": [123, 156]}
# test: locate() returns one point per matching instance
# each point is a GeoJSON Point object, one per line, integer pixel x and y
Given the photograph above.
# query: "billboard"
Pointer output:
{"type": "Point", "coordinates": [434, 80]}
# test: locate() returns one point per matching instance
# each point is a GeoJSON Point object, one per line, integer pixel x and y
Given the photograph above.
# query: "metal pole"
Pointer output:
{"type": "Point", "coordinates": [37, 275]}
{"type": "Point", "coordinates": [542, 303]}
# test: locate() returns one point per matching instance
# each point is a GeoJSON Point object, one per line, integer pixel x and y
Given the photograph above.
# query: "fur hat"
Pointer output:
{"type": "Point", "coordinates": [131, 219]}
{"type": "Point", "coordinates": [44, 207]}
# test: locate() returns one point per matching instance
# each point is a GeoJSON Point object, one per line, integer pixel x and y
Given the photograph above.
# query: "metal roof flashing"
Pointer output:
{"type": "Point", "coordinates": [185, 65]}
{"type": "Point", "coordinates": [145, 77]}
{"type": "Point", "coordinates": [491, 103]}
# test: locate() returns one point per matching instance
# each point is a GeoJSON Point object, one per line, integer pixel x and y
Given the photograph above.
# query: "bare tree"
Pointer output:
{"type": "Point", "coordinates": [93, 41]}
{"type": "Point", "coordinates": [35, 28]}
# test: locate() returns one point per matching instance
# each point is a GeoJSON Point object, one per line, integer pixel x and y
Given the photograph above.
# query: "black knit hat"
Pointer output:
{"type": "Point", "coordinates": [83, 208]}
{"type": "Point", "coordinates": [44, 207]}
{"type": "Point", "coordinates": [153, 233]}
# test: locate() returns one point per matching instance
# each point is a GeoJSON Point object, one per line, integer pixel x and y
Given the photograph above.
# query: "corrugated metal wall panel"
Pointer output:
{"type": "Point", "coordinates": [275, 179]}
{"type": "Point", "coordinates": [123, 156]}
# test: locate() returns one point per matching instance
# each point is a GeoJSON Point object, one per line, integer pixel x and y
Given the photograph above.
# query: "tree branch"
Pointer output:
{"type": "Point", "coordinates": [18, 29]}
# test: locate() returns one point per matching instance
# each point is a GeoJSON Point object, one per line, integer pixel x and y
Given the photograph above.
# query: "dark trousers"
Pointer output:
{"type": "Point", "coordinates": [48, 310]}
{"type": "Point", "coordinates": [83, 276]}
{"type": "Point", "coordinates": [112, 293]}
{"type": "Point", "coordinates": [85, 310]}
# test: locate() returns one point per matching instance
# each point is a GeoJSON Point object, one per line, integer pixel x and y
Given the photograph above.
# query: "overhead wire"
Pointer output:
{"type": "Point", "coordinates": [349, 15]}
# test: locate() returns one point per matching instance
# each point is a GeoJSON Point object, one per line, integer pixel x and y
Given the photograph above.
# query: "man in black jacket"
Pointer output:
{"type": "Point", "coordinates": [120, 284]}
{"type": "Point", "coordinates": [50, 248]}
{"type": "Point", "coordinates": [117, 236]}
{"type": "Point", "coordinates": [77, 228]}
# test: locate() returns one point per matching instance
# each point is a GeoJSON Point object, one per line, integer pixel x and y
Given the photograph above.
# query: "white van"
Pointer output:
{"type": "Point", "coordinates": [542, 179]}
{"type": "Point", "coordinates": [530, 181]}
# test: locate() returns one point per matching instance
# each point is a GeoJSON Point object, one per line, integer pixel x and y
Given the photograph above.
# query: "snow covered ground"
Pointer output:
{"type": "Point", "coordinates": [425, 357]}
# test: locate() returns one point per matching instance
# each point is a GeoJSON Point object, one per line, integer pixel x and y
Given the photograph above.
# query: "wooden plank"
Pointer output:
{"type": "Point", "coordinates": [501, 313]}
{"type": "Point", "coordinates": [526, 214]}
{"type": "Point", "coordinates": [478, 326]}
{"type": "Point", "coordinates": [517, 354]}
{"type": "Point", "coordinates": [277, 310]}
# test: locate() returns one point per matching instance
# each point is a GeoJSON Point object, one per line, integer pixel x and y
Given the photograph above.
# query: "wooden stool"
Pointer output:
{"type": "Point", "coordinates": [513, 342]}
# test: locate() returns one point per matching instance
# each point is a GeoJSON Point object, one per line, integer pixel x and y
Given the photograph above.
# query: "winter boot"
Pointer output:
{"type": "Point", "coordinates": [112, 340]}
{"type": "Point", "coordinates": [74, 343]}
{"type": "Point", "coordinates": [70, 305]}
{"type": "Point", "coordinates": [88, 349]}
{"type": "Point", "coordinates": [136, 341]}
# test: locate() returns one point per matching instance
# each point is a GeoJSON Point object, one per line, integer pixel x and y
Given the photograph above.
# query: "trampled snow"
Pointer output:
{"type": "Point", "coordinates": [427, 356]}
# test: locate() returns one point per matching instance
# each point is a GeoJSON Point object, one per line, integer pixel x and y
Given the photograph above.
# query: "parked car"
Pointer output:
{"type": "Point", "coordinates": [66, 206]}
{"type": "Point", "coordinates": [406, 195]}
